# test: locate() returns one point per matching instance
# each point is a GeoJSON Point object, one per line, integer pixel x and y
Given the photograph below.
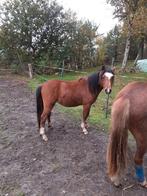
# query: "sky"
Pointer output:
{"type": "Point", "coordinates": [97, 11]}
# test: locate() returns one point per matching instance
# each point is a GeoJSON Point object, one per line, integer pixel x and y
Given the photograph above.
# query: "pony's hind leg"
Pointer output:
{"type": "Point", "coordinates": [42, 125]}
{"type": "Point", "coordinates": [45, 115]}
{"type": "Point", "coordinates": [86, 110]}
{"type": "Point", "coordinates": [49, 120]}
{"type": "Point", "coordinates": [138, 159]}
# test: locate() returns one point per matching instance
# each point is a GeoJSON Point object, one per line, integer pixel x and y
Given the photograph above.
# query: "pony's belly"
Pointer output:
{"type": "Point", "coordinates": [69, 103]}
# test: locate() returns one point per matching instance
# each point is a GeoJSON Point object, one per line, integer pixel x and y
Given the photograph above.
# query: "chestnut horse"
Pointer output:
{"type": "Point", "coordinates": [83, 91]}
{"type": "Point", "coordinates": [129, 112]}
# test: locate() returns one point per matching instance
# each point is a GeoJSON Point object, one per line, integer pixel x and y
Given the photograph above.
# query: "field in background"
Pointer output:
{"type": "Point", "coordinates": [97, 113]}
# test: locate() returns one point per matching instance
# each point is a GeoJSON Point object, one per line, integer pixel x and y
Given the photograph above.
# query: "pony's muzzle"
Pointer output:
{"type": "Point", "coordinates": [108, 90]}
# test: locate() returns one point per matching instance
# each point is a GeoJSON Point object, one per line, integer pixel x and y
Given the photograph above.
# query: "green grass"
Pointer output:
{"type": "Point", "coordinates": [97, 113]}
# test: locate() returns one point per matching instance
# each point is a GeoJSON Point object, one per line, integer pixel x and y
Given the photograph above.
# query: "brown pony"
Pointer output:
{"type": "Point", "coordinates": [83, 91]}
{"type": "Point", "coordinates": [129, 112]}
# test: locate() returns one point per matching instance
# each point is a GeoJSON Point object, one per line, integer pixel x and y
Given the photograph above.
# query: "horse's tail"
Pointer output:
{"type": "Point", "coordinates": [117, 146]}
{"type": "Point", "coordinates": [39, 103]}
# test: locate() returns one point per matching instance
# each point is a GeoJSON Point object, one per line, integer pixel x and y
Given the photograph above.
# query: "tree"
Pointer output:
{"type": "Point", "coordinates": [41, 32]}
{"type": "Point", "coordinates": [85, 42]}
{"type": "Point", "coordinates": [112, 42]}
{"type": "Point", "coordinates": [140, 30]}
{"type": "Point", "coordinates": [126, 11]}
{"type": "Point", "coordinates": [31, 27]}
{"type": "Point", "coordinates": [79, 47]}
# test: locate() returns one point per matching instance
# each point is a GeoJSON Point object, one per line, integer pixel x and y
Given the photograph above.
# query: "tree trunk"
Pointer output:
{"type": "Point", "coordinates": [137, 57]}
{"type": "Point", "coordinates": [142, 48]}
{"type": "Point", "coordinates": [140, 51]}
{"type": "Point", "coordinates": [126, 53]}
{"type": "Point", "coordinates": [145, 49]}
{"type": "Point", "coordinates": [112, 62]}
{"type": "Point", "coordinates": [20, 59]}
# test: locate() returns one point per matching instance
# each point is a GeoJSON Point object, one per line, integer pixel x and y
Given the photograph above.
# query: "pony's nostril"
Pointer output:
{"type": "Point", "coordinates": [108, 91]}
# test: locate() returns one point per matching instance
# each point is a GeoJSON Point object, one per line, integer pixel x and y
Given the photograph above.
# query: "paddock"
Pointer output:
{"type": "Point", "coordinates": [70, 163]}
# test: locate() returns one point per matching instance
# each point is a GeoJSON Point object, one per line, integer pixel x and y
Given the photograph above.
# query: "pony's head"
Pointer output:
{"type": "Point", "coordinates": [106, 78]}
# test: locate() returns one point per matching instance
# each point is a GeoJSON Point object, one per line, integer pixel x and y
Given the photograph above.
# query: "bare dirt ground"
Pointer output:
{"type": "Point", "coordinates": [70, 164]}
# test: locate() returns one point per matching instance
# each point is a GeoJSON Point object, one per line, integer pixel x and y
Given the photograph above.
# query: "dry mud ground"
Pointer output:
{"type": "Point", "coordinates": [70, 164]}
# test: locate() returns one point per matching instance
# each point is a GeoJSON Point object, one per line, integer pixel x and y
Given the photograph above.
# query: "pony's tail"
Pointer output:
{"type": "Point", "coordinates": [117, 146]}
{"type": "Point", "coordinates": [39, 103]}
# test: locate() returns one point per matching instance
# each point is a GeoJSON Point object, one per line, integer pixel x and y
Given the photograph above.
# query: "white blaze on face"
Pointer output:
{"type": "Point", "coordinates": [108, 75]}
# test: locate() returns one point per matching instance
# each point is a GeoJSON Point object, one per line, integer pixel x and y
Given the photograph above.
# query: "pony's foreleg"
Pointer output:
{"type": "Point", "coordinates": [141, 149]}
{"type": "Point", "coordinates": [86, 110]}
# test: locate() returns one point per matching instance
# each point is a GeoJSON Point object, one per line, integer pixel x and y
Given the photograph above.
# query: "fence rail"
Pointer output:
{"type": "Point", "coordinates": [70, 70]}
{"type": "Point", "coordinates": [30, 70]}
{"type": "Point", "coordinates": [7, 69]}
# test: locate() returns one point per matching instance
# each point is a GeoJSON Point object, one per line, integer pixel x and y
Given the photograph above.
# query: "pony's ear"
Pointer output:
{"type": "Point", "coordinates": [113, 69]}
{"type": "Point", "coordinates": [103, 67]}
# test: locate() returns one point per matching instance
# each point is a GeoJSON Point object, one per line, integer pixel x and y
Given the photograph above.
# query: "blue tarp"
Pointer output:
{"type": "Point", "coordinates": [142, 65]}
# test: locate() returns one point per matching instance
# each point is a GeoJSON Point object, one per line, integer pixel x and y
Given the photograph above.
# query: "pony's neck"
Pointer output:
{"type": "Point", "coordinates": [100, 88]}
{"type": "Point", "coordinates": [94, 84]}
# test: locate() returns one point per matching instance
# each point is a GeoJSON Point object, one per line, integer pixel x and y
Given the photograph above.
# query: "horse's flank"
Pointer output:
{"type": "Point", "coordinates": [129, 112]}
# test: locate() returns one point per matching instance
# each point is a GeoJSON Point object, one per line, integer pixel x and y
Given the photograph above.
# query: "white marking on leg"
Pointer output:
{"type": "Point", "coordinates": [42, 133]}
{"type": "Point", "coordinates": [82, 125]}
{"type": "Point", "coordinates": [84, 129]}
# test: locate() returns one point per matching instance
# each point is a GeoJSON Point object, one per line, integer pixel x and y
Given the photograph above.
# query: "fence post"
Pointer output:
{"type": "Point", "coordinates": [30, 70]}
{"type": "Point", "coordinates": [62, 71]}
{"type": "Point", "coordinates": [112, 63]}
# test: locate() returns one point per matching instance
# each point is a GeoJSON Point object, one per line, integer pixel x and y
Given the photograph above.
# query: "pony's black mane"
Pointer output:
{"type": "Point", "coordinates": [94, 80]}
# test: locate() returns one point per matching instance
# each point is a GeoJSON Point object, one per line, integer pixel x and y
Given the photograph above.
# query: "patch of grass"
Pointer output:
{"type": "Point", "coordinates": [97, 113]}
{"type": "Point", "coordinates": [20, 194]}
{"type": "Point", "coordinates": [32, 84]}
{"type": "Point", "coordinates": [11, 189]}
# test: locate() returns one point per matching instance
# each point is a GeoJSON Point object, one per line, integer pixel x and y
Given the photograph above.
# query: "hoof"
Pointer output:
{"type": "Point", "coordinates": [143, 184]}
{"type": "Point", "coordinates": [86, 125]}
{"type": "Point", "coordinates": [44, 137]}
{"type": "Point", "coordinates": [50, 126]}
{"type": "Point", "coordinates": [85, 131]}
{"type": "Point", "coordinates": [115, 180]}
